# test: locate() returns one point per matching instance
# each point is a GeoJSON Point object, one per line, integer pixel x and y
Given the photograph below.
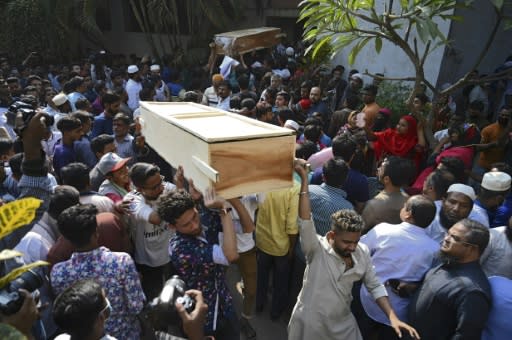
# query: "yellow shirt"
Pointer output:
{"type": "Point", "coordinates": [277, 218]}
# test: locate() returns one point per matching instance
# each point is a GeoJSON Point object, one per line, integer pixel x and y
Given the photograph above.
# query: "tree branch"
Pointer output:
{"type": "Point", "coordinates": [424, 58]}
{"type": "Point", "coordinates": [379, 77]}
{"type": "Point", "coordinates": [492, 77]}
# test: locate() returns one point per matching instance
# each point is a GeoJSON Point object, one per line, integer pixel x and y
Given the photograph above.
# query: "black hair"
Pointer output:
{"type": "Point", "coordinates": [455, 166]}
{"type": "Point", "coordinates": [15, 164]}
{"type": "Point", "coordinates": [68, 123]}
{"type": "Point", "coordinates": [6, 146]}
{"type": "Point", "coordinates": [63, 197]}
{"type": "Point", "coordinates": [84, 117]}
{"type": "Point", "coordinates": [263, 110]}
{"type": "Point", "coordinates": [173, 205]}
{"type": "Point", "coordinates": [335, 172]}
{"type": "Point", "coordinates": [146, 93]}
{"type": "Point", "coordinates": [399, 170]}
{"type": "Point", "coordinates": [285, 114]}
{"type": "Point", "coordinates": [110, 98]}
{"type": "Point", "coordinates": [306, 149]}
{"type": "Point", "coordinates": [372, 89]}
{"type": "Point", "coordinates": [313, 121]}
{"type": "Point", "coordinates": [82, 104]}
{"type": "Point", "coordinates": [477, 234]}
{"type": "Point", "coordinates": [140, 172]}
{"type": "Point", "coordinates": [347, 220]}
{"type": "Point", "coordinates": [98, 143]}
{"type": "Point", "coordinates": [353, 102]}
{"type": "Point", "coordinates": [78, 223]}
{"type": "Point", "coordinates": [422, 210]}
{"type": "Point", "coordinates": [76, 309]}
{"type": "Point", "coordinates": [285, 95]}
{"type": "Point", "coordinates": [234, 102]}
{"type": "Point", "coordinates": [440, 180]}
{"type": "Point", "coordinates": [307, 84]}
{"type": "Point", "coordinates": [248, 103]}
{"type": "Point", "coordinates": [123, 118]}
{"type": "Point", "coordinates": [75, 175]}
{"type": "Point", "coordinates": [312, 133]}
{"type": "Point", "coordinates": [344, 146]}
{"type": "Point", "coordinates": [243, 82]}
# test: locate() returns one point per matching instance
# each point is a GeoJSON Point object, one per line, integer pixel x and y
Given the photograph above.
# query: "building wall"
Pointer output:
{"type": "Point", "coordinates": [278, 13]}
{"type": "Point", "coordinates": [392, 61]}
{"type": "Point", "coordinates": [469, 37]}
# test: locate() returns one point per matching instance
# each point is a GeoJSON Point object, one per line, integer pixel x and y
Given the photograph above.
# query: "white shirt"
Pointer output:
{"type": "Point", "coordinates": [497, 257]}
{"type": "Point", "coordinates": [322, 310]}
{"type": "Point", "coordinates": [244, 241]}
{"type": "Point", "coordinates": [132, 89]}
{"type": "Point", "coordinates": [151, 241]}
{"type": "Point", "coordinates": [436, 231]}
{"type": "Point", "coordinates": [399, 251]}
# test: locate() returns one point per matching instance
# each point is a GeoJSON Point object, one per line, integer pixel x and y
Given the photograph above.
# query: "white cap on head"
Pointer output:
{"type": "Point", "coordinates": [133, 69]}
{"type": "Point", "coordinates": [496, 181]}
{"type": "Point", "coordinates": [291, 124]}
{"type": "Point", "coordinates": [357, 75]}
{"type": "Point", "coordinates": [155, 68]}
{"type": "Point", "coordinates": [463, 189]}
{"type": "Point", "coordinates": [290, 51]}
{"type": "Point", "coordinates": [59, 99]}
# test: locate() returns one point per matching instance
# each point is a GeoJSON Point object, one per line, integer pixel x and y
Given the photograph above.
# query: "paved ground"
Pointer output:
{"type": "Point", "coordinates": [266, 329]}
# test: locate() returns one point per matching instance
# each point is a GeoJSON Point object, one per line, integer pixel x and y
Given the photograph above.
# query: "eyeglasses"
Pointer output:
{"type": "Point", "coordinates": [157, 186]}
{"type": "Point", "coordinates": [457, 239]}
{"type": "Point", "coordinates": [107, 310]}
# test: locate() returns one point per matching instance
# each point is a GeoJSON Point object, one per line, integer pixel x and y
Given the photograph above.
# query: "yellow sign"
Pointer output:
{"type": "Point", "coordinates": [20, 270]}
{"type": "Point", "coordinates": [17, 213]}
{"type": "Point", "coordinates": [7, 254]}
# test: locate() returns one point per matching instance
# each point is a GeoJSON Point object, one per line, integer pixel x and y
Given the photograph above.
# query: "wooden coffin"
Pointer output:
{"type": "Point", "coordinates": [235, 154]}
{"type": "Point", "coordinates": [248, 40]}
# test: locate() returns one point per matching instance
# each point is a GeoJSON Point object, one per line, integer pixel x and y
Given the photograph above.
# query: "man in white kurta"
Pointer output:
{"type": "Point", "coordinates": [322, 310]}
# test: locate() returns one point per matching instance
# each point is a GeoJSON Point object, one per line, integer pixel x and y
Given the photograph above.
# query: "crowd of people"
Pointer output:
{"type": "Point", "coordinates": [388, 231]}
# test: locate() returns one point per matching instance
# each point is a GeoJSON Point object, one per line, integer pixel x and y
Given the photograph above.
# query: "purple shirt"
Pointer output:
{"type": "Point", "coordinates": [116, 273]}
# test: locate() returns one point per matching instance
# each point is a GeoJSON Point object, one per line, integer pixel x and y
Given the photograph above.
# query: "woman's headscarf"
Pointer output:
{"type": "Point", "coordinates": [390, 142]}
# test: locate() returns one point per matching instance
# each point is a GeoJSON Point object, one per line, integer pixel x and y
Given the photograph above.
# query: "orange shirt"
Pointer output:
{"type": "Point", "coordinates": [371, 110]}
{"type": "Point", "coordinates": [490, 134]}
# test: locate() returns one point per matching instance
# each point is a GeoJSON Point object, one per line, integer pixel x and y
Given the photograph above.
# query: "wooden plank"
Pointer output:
{"type": "Point", "coordinates": [243, 41]}
{"type": "Point", "coordinates": [233, 166]}
{"type": "Point", "coordinates": [253, 166]}
{"type": "Point", "coordinates": [214, 125]}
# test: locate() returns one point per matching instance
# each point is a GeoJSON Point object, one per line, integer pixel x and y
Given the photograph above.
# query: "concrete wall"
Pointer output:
{"type": "Point", "coordinates": [392, 61]}
{"type": "Point", "coordinates": [469, 38]}
{"type": "Point", "coordinates": [121, 41]}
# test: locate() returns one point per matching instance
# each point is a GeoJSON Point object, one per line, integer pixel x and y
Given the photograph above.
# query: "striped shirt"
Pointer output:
{"type": "Point", "coordinates": [326, 200]}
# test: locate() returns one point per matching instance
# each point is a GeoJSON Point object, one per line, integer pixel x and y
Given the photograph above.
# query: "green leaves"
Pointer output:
{"type": "Point", "coordinates": [356, 49]}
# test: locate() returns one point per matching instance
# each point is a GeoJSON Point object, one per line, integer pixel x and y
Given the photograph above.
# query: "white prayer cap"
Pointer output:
{"type": "Point", "coordinates": [496, 181]}
{"type": "Point", "coordinates": [133, 69]}
{"type": "Point", "coordinates": [463, 189]}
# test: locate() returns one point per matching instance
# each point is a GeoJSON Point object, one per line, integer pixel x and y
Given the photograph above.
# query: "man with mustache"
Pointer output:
{"type": "Point", "coordinates": [456, 206]}
{"type": "Point", "coordinates": [455, 297]}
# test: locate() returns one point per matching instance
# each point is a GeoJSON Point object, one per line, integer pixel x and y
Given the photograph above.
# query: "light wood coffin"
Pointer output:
{"type": "Point", "coordinates": [235, 154]}
{"type": "Point", "coordinates": [248, 40]}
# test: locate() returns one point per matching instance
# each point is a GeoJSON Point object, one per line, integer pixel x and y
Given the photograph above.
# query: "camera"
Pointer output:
{"type": "Point", "coordinates": [10, 298]}
{"type": "Point", "coordinates": [162, 311]}
{"type": "Point", "coordinates": [27, 111]}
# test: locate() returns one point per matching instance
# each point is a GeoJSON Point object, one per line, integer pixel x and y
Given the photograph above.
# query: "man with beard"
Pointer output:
{"type": "Point", "coordinates": [334, 262]}
{"type": "Point", "coordinates": [455, 206]}
{"type": "Point", "coordinates": [494, 188]}
{"type": "Point", "coordinates": [496, 138]}
{"type": "Point", "coordinates": [455, 297]}
{"type": "Point", "coordinates": [496, 258]}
